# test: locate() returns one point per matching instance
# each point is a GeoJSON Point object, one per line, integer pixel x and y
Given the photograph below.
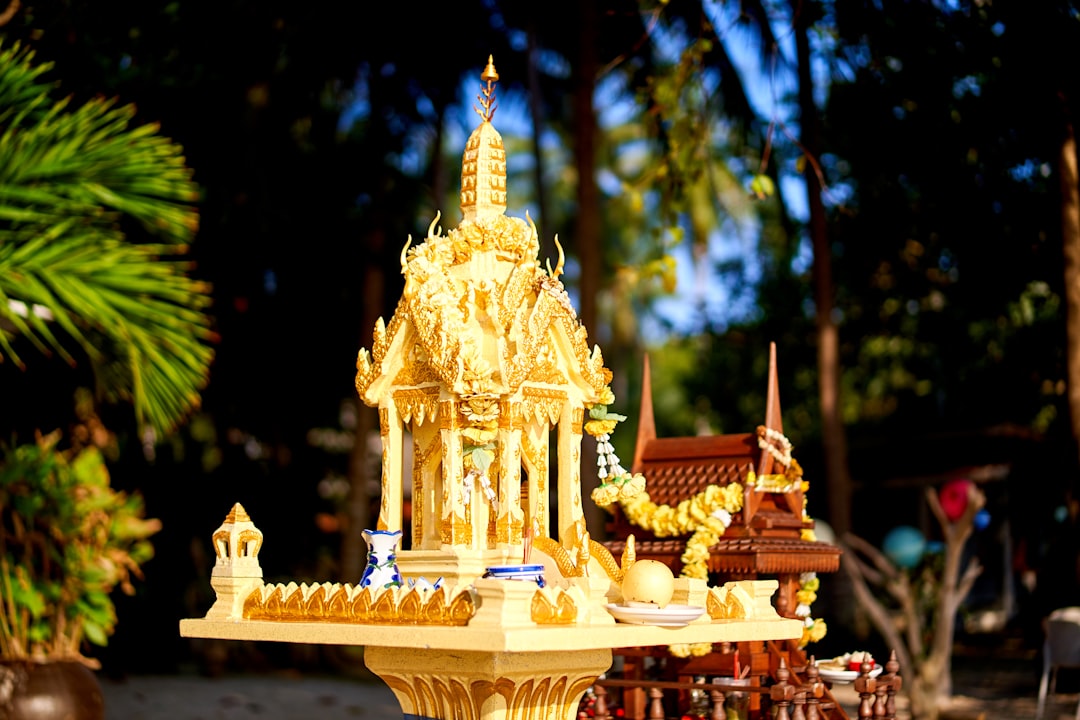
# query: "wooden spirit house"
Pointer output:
{"type": "Point", "coordinates": [765, 539]}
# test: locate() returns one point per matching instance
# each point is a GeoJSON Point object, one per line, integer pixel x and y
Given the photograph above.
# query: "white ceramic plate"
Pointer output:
{"type": "Point", "coordinates": [669, 616]}
{"type": "Point", "coordinates": [844, 676]}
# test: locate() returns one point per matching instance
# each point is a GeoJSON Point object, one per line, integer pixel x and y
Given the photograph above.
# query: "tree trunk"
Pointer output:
{"type": "Point", "coordinates": [1070, 239]}
{"type": "Point", "coordinates": [547, 246]}
{"type": "Point", "coordinates": [929, 664]}
{"type": "Point", "coordinates": [587, 229]}
{"type": "Point", "coordinates": [837, 473]}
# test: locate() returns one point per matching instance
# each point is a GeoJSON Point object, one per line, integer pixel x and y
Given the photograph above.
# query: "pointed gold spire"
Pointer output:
{"type": "Point", "coordinates": [487, 100]}
{"type": "Point", "coordinates": [483, 166]}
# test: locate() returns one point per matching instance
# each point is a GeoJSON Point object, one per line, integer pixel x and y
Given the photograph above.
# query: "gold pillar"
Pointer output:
{"type": "Point", "coordinates": [479, 685]}
{"type": "Point", "coordinates": [392, 453]}
{"type": "Point", "coordinates": [427, 486]}
{"type": "Point", "coordinates": [455, 526]}
{"type": "Point", "coordinates": [570, 511]}
{"type": "Point", "coordinates": [534, 444]}
{"type": "Point", "coordinates": [509, 524]}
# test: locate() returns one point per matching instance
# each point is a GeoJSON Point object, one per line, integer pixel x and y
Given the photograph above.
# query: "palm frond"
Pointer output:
{"type": "Point", "coordinates": [68, 175]}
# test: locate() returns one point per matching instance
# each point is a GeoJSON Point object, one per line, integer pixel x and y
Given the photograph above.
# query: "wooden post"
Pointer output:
{"type": "Point", "coordinates": [866, 686]}
{"type": "Point", "coordinates": [600, 711]}
{"type": "Point", "coordinates": [894, 681]}
{"type": "Point", "coordinates": [717, 697]}
{"type": "Point", "coordinates": [656, 704]}
{"type": "Point", "coordinates": [815, 689]}
{"type": "Point", "coordinates": [783, 692]}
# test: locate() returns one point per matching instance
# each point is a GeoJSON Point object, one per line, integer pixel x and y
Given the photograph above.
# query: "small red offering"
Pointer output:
{"type": "Point", "coordinates": [858, 658]}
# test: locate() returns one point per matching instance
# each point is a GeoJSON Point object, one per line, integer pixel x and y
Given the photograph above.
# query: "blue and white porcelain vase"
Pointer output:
{"type": "Point", "coordinates": [382, 569]}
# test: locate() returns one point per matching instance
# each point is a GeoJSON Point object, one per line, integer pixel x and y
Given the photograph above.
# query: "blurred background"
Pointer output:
{"type": "Point", "coordinates": [887, 191]}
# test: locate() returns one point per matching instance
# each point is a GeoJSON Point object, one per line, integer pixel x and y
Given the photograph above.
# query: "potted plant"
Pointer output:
{"type": "Point", "coordinates": [67, 540]}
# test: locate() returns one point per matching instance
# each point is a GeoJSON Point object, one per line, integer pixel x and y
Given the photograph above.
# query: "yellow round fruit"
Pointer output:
{"type": "Point", "coordinates": [648, 581]}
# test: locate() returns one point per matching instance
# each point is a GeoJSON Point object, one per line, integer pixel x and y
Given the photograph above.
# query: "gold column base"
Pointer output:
{"type": "Point", "coordinates": [478, 685]}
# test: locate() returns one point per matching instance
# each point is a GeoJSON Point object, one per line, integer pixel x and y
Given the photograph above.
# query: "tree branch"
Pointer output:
{"type": "Point", "coordinates": [879, 615]}
{"type": "Point", "coordinates": [9, 12]}
{"type": "Point", "coordinates": [963, 586]}
{"type": "Point", "coordinates": [882, 563]}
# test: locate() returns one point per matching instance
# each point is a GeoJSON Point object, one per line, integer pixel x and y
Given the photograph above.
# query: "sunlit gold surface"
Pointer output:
{"type": "Point", "coordinates": [469, 686]}
{"type": "Point", "coordinates": [328, 602]}
{"type": "Point", "coordinates": [551, 606]}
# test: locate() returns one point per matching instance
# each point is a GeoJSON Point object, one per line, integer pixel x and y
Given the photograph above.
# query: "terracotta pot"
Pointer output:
{"type": "Point", "coordinates": [49, 691]}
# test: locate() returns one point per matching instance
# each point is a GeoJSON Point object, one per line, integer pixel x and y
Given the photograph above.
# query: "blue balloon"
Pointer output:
{"type": "Point", "coordinates": [982, 519]}
{"type": "Point", "coordinates": [904, 546]}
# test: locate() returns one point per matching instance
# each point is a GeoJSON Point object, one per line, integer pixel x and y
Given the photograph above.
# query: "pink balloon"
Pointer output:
{"type": "Point", "coordinates": [953, 497]}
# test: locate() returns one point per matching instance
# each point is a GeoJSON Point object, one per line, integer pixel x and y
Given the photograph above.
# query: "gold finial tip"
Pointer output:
{"type": "Point", "coordinates": [490, 75]}
{"type": "Point", "coordinates": [237, 514]}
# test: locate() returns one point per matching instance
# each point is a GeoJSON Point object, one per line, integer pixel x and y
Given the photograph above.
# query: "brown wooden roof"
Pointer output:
{"type": "Point", "coordinates": [765, 538]}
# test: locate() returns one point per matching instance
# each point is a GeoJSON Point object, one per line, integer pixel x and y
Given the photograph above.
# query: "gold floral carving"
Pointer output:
{"type": "Point", "coordinates": [509, 530]}
{"type": "Point", "coordinates": [510, 237]}
{"type": "Point", "coordinates": [463, 529]}
{"type": "Point", "coordinates": [448, 415]}
{"type": "Point", "coordinates": [510, 415]}
{"type": "Point", "coordinates": [446, 529]}
{"type": "Point", "coordinates": [365, 371]}
{"type": "Point", "coordinates": [444, 696]}
{"type": "Point", "coordinates": [533, 337]}
{"type": "Point", "coordinates": [552, 606]}
{"type": "Point", "coordinates": [729, 602]}
{"type": "Point", "coordinates": [384, 335]}
{"type": "Point", "coordinates": [417, 404]}
{"type": "Point", "coordinates": [455, 530]}
{"type": "Point", "coordinates": [346, 603]}
{"type": "Point", "coordinates": [536, 458]}
{"type": "Point", "coordinates": [416, 371]}
{"type": "Point", "coordinates": [515, 292]}
{"type": "Point", "coordinates": [577, 421]}
{"type": "Point", "coordinates": [537, 461]}
{"type": "Point", "coordinates": [384, 421]}
{"type": "Point", "coordinates": [546, 368]}
{"type": "Point", "coordinates": [246, 537]}
{"type": "Point", "coordinates": [221, 541]}
{"type": "Point", "coordinates": [542, 404]}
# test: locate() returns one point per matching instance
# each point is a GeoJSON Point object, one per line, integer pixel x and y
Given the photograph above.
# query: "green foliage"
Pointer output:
{"type": "Point", "coordinates": [949, 270]}
{"type": "Point", "coordinates": [67, 539]}
{"type": "Point", "coordinates": [77, 184]}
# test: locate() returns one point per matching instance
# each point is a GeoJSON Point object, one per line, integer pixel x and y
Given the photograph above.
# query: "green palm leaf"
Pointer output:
{"type": "Point", "coordinates": [68, 274]}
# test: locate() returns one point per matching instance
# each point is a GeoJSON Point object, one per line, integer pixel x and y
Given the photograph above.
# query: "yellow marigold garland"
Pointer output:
{"type": "Point", "coordinates": [813, 628]}
{"type": "Point", "coordinates": [684, 650]}
{"type": "Point", "coordinates": [705, 516]}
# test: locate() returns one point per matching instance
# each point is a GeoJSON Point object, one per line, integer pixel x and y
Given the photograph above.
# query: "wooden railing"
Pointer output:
{"type": "Point", "coordinates": [791, 696]}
